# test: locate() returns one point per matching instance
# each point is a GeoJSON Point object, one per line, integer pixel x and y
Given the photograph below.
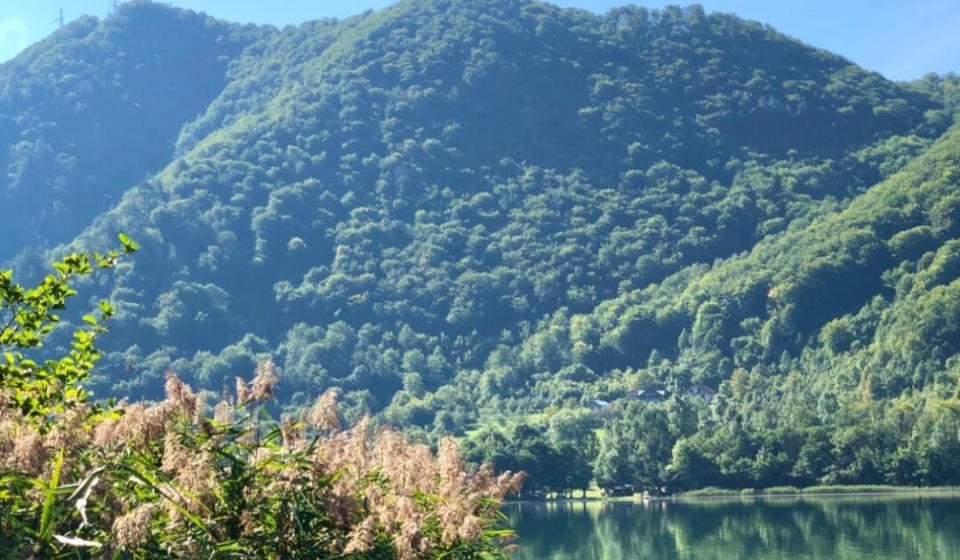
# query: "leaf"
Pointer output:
{"type": "Point", "coordinates": [129, 245]}
{"type": "Point", "coordinates": [145, 478]}
{"type": "Point", "coordinates": [46, 518]}
{"type": "Point", "coordinates": [74, 541]}
{"type": "Point", "coordinates": [82, 493]}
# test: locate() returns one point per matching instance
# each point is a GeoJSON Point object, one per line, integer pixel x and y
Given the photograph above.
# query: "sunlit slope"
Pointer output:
{"type": "Point", "coordinates": [867, 297]}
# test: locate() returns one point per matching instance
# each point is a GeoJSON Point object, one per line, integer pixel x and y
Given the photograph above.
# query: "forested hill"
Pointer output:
{"type": "Point", "coordinates": [456, 209]}
{"type": "Point", "coordinates": [97, 107]}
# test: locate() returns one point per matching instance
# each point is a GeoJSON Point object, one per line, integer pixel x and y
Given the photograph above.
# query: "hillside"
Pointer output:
{"type": "Point", "coordinates": [95, 108]}
{"type": "Point", "coordinates": [452, 210]}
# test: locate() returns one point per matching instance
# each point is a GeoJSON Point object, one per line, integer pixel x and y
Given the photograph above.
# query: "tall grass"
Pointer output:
{"type": "Point", "coordinates": [179, 478]}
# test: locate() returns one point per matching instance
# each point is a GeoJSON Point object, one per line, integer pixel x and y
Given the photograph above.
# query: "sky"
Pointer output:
{"type": "Point", "coordinates": [900, 39]}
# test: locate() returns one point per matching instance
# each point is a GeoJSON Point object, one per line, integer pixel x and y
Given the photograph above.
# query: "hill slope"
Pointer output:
{"type": "Point", "coordinates": [835, 346]}
{"type": "Point", "coordinates": [454, 207]}
{"type": "Point", "coordinates": [95, 108]}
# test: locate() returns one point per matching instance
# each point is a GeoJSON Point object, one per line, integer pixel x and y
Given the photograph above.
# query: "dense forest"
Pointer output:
{"type": "Point", "coordinates": [503, 220]}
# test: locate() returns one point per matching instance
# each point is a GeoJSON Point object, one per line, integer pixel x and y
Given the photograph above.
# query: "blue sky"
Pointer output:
{"type": "Point", "coordinates": [903, 40]}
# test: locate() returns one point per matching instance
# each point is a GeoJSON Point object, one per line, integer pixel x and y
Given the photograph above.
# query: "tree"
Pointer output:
{"type": "Point", "coordinates": [42, 390]}
{"type": "Point", "coordinates": [612, 468]}
{"type": "Point", "coordinates": [690, 466]}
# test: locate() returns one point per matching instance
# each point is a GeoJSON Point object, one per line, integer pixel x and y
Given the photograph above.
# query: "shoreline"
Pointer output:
{"type": "Point", "coordinates": [815, 491]}
{"type": "Point", "coordinates": [800, 493]}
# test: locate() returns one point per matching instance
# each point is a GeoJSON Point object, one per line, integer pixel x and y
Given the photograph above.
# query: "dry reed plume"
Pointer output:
{"type": "Point", "coordinates": [172, 479]}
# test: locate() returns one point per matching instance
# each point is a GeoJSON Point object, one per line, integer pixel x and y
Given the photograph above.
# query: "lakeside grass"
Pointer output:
{"type": "Point", "coordinates": [777, 492]}
{"type": "Point", "coordinates": [595, 494]}
{"type": "Point", "coordinates": [822, 490]}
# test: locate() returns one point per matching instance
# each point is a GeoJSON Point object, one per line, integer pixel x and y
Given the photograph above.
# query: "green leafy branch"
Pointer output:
{"type": "Point", "coordinates": [29, 315]}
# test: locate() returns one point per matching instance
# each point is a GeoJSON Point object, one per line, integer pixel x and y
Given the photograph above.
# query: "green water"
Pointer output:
{"type": "Point", "coordinates": [875, 528]}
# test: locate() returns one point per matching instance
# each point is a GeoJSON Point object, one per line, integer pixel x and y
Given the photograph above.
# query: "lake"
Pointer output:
{"type": "Point", "coordinates": [829, 528]}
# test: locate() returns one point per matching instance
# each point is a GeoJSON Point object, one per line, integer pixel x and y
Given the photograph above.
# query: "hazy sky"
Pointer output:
{"type": "Point", "coordinates": [901, 39]}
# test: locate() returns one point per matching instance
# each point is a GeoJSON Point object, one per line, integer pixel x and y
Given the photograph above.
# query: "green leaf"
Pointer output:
{"type": "Point", "coordinates": [129, 245]}
{"type": "Point", "coordinates": [46, 518]}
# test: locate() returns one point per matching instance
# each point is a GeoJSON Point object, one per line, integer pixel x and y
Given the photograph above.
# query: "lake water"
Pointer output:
{"type": "Point", "coordinates": [847, 528]}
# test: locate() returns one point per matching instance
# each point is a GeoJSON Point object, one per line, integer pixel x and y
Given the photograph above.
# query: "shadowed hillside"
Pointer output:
{"type": "Point", "coordinates": [96, 107]}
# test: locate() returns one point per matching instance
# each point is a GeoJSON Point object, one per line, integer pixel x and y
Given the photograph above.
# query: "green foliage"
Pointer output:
{"type": "Point", "coordinates": [41, 390]}
{"type": "Point", "coordinates": [96, 107]}
{"type": "Point", "coordinates": [402, 198]}
{"type": "Point", "coordinates": [458, 212]}
{"type": "Point", "coordinates": [555, 457]}
{"type": "Point", "coordinates": [638, 445]}
{"type": "Point", "coordinates": [37, 396]}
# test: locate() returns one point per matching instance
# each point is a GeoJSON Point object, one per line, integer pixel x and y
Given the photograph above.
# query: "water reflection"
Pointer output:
{"type": "Point", "coordinates": [876, 528]}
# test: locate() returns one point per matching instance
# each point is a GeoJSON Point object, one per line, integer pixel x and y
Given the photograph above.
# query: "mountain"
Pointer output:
{"type": "Point", "coordinates": [95, 108]}
{"type": "Point", "coordinates": [457, 210]}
